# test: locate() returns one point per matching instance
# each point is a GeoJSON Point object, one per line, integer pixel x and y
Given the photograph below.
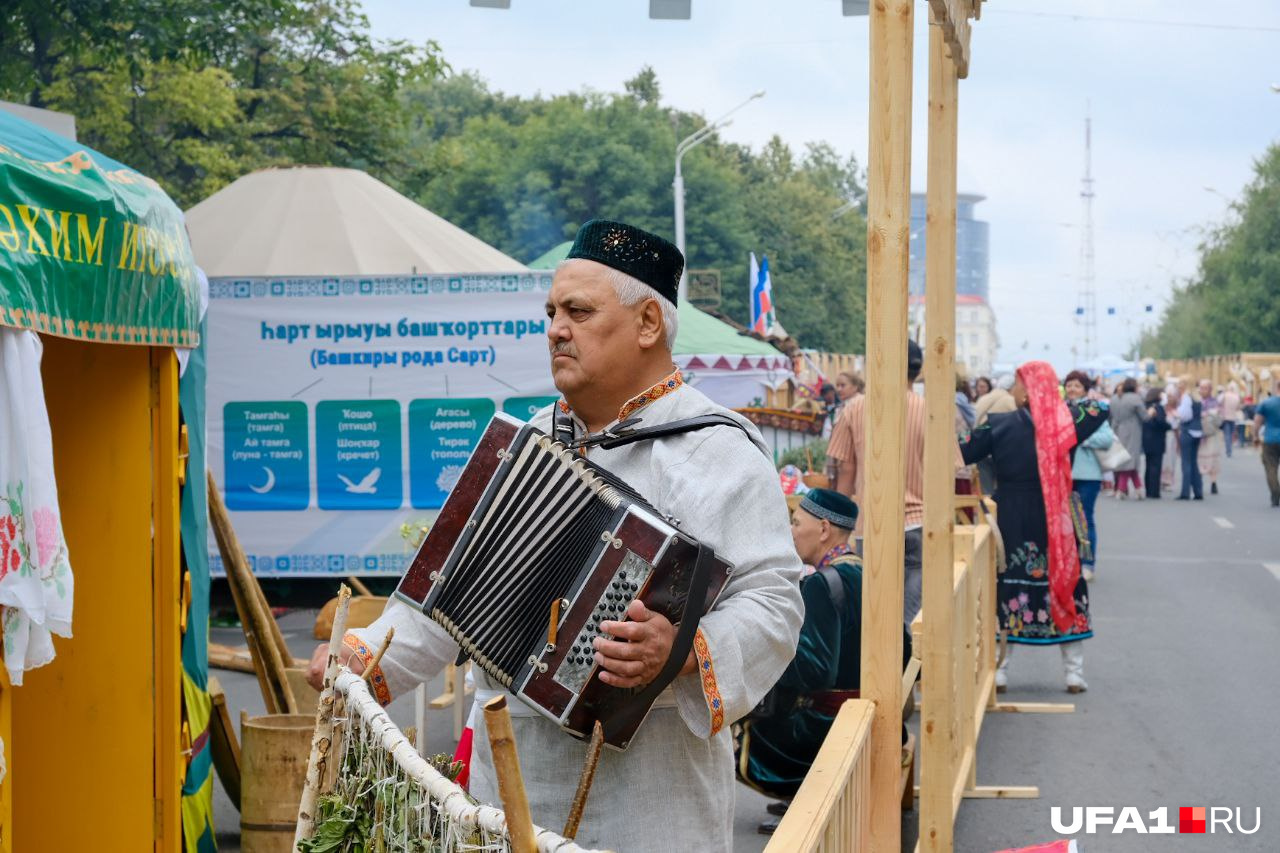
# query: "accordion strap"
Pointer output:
{"type": "Point", "coordinates": [685, 631]}
{"type": "Point", "coordinates": [628, 431]}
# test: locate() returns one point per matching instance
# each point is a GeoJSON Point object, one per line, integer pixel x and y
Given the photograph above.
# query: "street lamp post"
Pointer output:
{"type": "Point", "coordinates": [691, 141]}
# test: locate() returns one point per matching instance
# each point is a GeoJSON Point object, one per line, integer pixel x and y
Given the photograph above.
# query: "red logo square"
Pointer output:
{"type": "Point", "coordinates": [1191, 819]}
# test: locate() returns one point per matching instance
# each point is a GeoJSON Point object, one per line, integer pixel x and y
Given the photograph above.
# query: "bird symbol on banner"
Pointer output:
{"type": "Point", "coordinates": [365, 486]}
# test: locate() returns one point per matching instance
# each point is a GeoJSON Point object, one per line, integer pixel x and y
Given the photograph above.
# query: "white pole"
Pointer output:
{"type": "Point", "coordinates": [420, 718]}
{"type": "Point", "coordinates": [679, 194]}
{"type": "Point", "coordinates": [696, 138]}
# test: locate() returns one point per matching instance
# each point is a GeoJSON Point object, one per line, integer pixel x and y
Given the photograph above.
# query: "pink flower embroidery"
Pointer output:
{"type": "Point", "coordinates": [47, 535]}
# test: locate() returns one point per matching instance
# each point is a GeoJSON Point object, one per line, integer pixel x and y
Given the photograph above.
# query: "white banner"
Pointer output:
{"type": "Point", "coordinates": [340, 409]}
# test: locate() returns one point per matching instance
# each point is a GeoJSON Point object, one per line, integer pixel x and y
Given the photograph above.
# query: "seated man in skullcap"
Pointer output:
{"type": "Point", "coordinates": [780, 740]}
{"type": "Point", "coordinates": [611, 327]}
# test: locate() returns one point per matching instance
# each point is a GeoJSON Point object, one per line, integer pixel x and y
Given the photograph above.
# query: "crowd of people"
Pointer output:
{"type": "Point", "coordinates": [1174, 433]}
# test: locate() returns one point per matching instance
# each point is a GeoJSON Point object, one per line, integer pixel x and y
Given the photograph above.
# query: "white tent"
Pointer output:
{"type": "Point", "coordinates": [319, 221]}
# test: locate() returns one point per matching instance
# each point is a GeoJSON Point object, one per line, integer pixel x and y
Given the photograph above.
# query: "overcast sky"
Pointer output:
{"type": "Point", "coordinates": [1180, 94]}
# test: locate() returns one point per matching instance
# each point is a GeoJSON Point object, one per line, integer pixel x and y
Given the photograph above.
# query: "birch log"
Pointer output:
{"type": "Point", "coordinates": [322, 740]}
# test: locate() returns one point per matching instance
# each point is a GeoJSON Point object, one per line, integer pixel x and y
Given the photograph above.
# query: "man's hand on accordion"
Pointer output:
{"type": "Point", "coordinates": [639, 648]}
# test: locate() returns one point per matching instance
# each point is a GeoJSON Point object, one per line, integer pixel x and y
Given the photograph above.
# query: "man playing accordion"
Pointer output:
{"type": "Point", "coordinates": [612, 323]}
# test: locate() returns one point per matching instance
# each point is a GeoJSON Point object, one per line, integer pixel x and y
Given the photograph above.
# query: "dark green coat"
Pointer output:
{"type": "Point", "coordinates": [775, 753]}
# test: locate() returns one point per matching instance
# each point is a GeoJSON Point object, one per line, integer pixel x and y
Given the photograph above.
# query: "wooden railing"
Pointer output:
{"type": "Point", "coordinates": [1245, 368]}
{"type": "Point", "coordinates": [948, 762]}
{"type": "Point", "coordinates": [830, 812]}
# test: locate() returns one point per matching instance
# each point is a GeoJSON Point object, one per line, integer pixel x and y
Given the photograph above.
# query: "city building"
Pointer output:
{"type": "Point", "coordinates": [972, 246]}
{"type": "Point", "coordinates": [976, 338]}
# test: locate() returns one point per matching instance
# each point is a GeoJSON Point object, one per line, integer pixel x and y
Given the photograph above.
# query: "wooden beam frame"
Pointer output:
{"type": "Point", "coordinates": [953, 17]}
{"type": "Point", "coordinates": [939, 735]}
{"type": "Point", "coordinates": [888, 236]}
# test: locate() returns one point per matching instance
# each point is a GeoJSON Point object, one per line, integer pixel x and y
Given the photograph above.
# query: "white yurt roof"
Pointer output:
{"type": "Point", "coordinates": [320, 221]}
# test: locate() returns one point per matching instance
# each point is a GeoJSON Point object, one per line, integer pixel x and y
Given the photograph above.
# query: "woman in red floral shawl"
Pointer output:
{"type": "Point", "coordinates": [1043, 599]}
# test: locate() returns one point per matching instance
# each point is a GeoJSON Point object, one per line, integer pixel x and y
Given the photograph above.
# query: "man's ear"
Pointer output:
{"type": "Point", "coordinates": [651, 328]}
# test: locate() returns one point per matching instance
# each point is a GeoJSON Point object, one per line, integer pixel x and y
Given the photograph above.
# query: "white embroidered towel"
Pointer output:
{"type": "Point", "coordinates": [35, 573]}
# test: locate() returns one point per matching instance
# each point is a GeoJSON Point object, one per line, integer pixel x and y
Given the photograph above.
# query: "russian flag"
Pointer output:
{"type": "Point", "coordinates": [761, 296]}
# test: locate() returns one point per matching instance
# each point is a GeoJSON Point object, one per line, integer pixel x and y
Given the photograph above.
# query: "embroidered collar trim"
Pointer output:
{"type": "Point", "coordinates": [638, 402]}
{"type": "Point", "coordinates": [838, 551]}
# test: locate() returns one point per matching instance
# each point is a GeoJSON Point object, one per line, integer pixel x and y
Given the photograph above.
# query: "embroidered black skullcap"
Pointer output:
{"type": "Point", "coordinates": [915, 356]}
{"type": "Point", "coordinates": [628, 249]}
{"type": "Point", "coordinates": [832, 506]}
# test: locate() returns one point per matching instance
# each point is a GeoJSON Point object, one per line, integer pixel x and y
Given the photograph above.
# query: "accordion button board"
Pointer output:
{"type": "Point", "coordinates": [577, 666]}
{"type": "Point", "coordinates": [529, 526]}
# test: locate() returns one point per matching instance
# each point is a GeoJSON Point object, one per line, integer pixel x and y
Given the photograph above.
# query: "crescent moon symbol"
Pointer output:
{"type": "Point", "coordinates": [270, 484]}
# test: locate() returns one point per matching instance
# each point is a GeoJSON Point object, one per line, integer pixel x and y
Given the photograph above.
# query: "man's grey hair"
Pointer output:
{"type": "Point", "coordinates": [632, 291]}
{"type": "Point", "coordinates": [1005, 381]}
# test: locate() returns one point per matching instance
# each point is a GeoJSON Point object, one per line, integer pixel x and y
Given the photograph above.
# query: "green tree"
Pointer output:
{"type": "Point", "coordinates": [523, 174]}
{"type": "Point", "coordinates": [1231, 304]}
{"type": "Point", "coordinates": [196, 94]}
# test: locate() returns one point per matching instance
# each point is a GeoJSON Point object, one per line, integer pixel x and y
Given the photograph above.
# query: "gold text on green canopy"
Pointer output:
{"type": "Point", "coordinates": [74, 238]}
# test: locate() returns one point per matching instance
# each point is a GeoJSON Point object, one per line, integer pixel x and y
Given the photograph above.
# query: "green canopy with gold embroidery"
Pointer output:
{"type": "Point", "coordinates": [89, 248]}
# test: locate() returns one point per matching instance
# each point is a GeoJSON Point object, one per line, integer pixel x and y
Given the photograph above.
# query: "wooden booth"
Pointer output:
{"type": "Point", "coordinates": [94, 260]}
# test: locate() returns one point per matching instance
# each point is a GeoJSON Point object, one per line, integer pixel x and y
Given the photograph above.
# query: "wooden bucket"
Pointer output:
{"type": "Point", "coordinates": [273, 766]}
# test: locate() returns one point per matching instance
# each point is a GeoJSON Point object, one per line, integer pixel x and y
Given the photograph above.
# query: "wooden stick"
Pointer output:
{"type": "Point", "coordinates": [322, 740]}
{"type": "Point", "coordinates": [1002, 792]}
{"type": "Point", "coordinates": [460, 701]}
{"type": "Point", "coordinates": [240, 658]}
{"type": "Point", "coordinates": [236, 660]}
{"type": "Point", "coordinates": [223, 745]}
{"type": "Point", "coordinates": [506, 766]}
{"type": "Point", "coordinates": [377, 658]}
{"type": "Point", "coordinates": [269, 667]}
{"type": "Point", "coordinates": [1033, 708]}
{"type": "Point", "coordinates": [268, 629]}
{"type": "Point", "coordinates": [274, 634]}
{"type": "Point", "coordinates": [584, 782]}
{"type": "Point", "coordinates": [358, 585]}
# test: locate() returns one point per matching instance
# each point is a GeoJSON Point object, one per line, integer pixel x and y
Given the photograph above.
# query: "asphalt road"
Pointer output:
{"type": "Point", "coordinates": [1183, 707]}
{"type": "Point", "coordinates": [1184, 681]}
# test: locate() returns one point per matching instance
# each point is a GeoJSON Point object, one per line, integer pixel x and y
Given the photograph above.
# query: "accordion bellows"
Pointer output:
{"type": "Point", "coordinates": [533, 549]}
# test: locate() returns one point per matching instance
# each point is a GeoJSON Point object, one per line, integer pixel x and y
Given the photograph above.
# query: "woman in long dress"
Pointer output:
{"type": "Point", "coordinates": [1043, 597]}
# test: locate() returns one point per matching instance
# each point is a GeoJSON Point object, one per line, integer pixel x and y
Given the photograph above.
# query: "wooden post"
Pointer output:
{"type": "Point", "coordinates": [888, 235]}
{"type": "Point", "coordinates": [939, 738]}
{"type": "Point", "coordinates": [506, 766]}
